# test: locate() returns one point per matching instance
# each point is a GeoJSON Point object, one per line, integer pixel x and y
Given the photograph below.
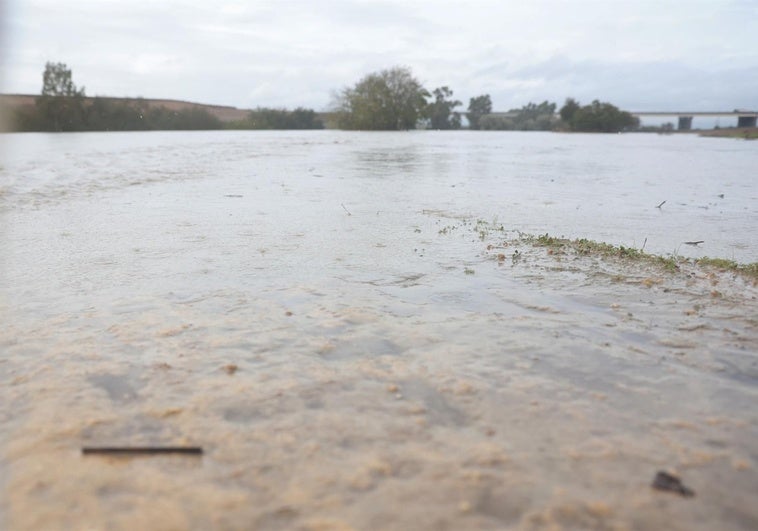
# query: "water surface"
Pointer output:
{"type": "Point", "coordinates": [327, 314]}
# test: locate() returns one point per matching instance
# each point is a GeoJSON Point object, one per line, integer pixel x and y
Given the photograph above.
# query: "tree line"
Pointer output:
{"type": "Point", "coordinates": [394, 99]}
{"type": "Point", "coordinates": [267, 118]}
{"type": "Point", "coordinates": [388, 100]}
{"type": "Point", "coordinates": [62, 106]}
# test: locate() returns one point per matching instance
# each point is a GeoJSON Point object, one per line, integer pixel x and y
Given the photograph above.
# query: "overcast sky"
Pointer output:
{"type": "Point", "coordinates": [637, 54]}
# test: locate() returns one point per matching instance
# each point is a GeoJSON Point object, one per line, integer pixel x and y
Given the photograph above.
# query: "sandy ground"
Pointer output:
{"type": "Point", "coordinates": [535, 391]}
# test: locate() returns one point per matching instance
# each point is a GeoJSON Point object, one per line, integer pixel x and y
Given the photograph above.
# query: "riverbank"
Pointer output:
{"type": "Point", "coordinates": [747, 133]}
{"type": "Point", "coordinates": [224, 113]}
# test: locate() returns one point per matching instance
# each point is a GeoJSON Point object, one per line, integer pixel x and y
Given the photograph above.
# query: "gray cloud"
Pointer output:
{"type": "Point", "coordinates": [638, 54]}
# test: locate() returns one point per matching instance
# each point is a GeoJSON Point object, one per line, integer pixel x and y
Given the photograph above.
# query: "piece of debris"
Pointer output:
{"type": "Point", "coordinates": [671, 483]}
{"type": "Point", "coordinates": [231, 368]}
{"type": "Point", "coordinates": [141, 450]}
{"type": "Point", "coordinates": [698, 242]}
{"type": "Point", "coordinates": [233, 195]}
{"type": "Point", "coordinates": [660, 204]}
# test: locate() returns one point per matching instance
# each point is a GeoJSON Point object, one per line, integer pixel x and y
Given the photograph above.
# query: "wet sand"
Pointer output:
{"type": "Point", "coordinates": [545, 392]}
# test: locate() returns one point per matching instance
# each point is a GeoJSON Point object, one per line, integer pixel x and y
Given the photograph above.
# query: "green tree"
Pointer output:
{"type": "Point", "coordinates": [569, 109]}
{"type": "Point", "coordinates": [265, 118]}
{"type": "Point", "coordinates": [530, 117]}
{"type": "Point", "coordinates": [110, 114]}
{"type": "Point", "coordinates": [496, 122]}
{"type": "Point", "coordinates": [390, 100]}
{"type": "Point", "coordinates": [601, 117]}
{"type": "Point", "coordinates": [441, 111]}
{"type": "Point", "coordinates": [61, 105]}
{"type": "Point", "coordinates": [535, 117]}
{"type": "Point", "coordinates": [302, 118]}
{"type": "Point", "coordinates": [189, 119]}
{"type": "Point", "coordinates": [478, 107]}
{"type": "Point", "coordinates": [57, 81]}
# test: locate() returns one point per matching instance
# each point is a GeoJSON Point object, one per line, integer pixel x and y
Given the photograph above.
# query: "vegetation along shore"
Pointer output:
{"type": "Point", "coordinates": [389, 100]}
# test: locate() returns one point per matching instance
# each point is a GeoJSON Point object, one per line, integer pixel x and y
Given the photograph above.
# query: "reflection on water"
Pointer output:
{"type": "Point", "coordinates": [320, 311]}
{"type": "Point", "coordinates": [381, 162]}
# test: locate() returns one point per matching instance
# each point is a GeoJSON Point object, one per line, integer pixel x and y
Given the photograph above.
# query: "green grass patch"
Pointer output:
{"type": "Point", "coordinates": [586, 247]}
{"type": "Point", "coordinates": [749, 270]}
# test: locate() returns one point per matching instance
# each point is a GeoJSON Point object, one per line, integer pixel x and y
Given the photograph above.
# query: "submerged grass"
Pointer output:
{"type": "Point", "coordinates": [749, 270]}
{"type": "Point", "coordinates": [587, 247]}
{"type": "Point", "coordinates": [671, 263]}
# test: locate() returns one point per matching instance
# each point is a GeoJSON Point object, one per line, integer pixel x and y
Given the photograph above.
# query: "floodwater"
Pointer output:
{"type": "Point", "coordinates": [349, 327]}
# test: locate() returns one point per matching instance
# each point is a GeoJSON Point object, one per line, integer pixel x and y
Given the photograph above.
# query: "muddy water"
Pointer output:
{"type": "Point", "coordinates": [323, 314]}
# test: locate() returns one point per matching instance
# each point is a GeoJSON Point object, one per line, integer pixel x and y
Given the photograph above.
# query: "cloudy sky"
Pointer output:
{"type": "Point", "coordinates": [638, 54]}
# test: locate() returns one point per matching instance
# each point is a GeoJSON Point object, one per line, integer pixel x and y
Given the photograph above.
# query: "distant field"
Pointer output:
{"type": "Point", "coordinates": [222, 112]}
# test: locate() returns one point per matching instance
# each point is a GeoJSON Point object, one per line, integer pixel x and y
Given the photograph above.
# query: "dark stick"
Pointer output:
{"type": "Point", "coordinates": [661, 204]}
{"type": "Point", "coordinates": [142, 450]}
{"type": "Point", "coordinates": [346, 210]}
{"type": "Point", "coordinates": [669, 482]}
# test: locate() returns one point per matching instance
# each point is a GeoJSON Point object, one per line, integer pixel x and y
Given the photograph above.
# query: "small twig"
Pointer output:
{"type": "Point", "coordinates": [643, 246]}
{"type": "Point", "coordinates": [694, 242]}
{"type": "Point", "coordinates": [661, 204]}
{"type": "Point", "coordinates": [346, 210]}
{"type": "Point", "coordinates": [142, 450]}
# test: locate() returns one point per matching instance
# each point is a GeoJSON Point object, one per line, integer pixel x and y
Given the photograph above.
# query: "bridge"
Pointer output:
{"type": "Point", "coordinates": [684, 118]}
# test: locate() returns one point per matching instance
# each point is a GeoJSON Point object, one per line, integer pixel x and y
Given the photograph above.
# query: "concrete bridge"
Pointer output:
{"type": "Point", "coordinates": [684, 119]}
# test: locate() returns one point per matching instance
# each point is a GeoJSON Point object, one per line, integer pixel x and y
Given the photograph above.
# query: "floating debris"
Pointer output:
{"type": "Point", "coordinates": [671, 483]}
{"type": "Point", "coordinates": [141, 450]}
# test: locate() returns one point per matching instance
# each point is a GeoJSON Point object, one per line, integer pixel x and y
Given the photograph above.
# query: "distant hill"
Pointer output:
{"type": "Point", "coordinates": [8, 102]}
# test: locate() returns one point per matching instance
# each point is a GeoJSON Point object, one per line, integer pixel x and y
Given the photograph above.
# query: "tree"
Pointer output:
{"type": "Point", "coordinates": [61, 106]}
{"type": "Point", "coordinates": [265, 118]}
{"type": "Point", "coordinates": [600, 117]}
{"type": "Point", "coordinates": [441, 111]}
{"type": "Point", "coordinates": [106, 114]}
{"type": "Point", "coordinates": [389, 100]}
{"type": "Point", "coordinates": [530, 117]}
{"type": "Point", "coordinates": [535, 117]}
{"type": "Point", "coordinates": [569, 109]}
{"type": "Point", "coordinates": [478, 107]}
{"type": "Point", "coordinates": [57, 81]}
